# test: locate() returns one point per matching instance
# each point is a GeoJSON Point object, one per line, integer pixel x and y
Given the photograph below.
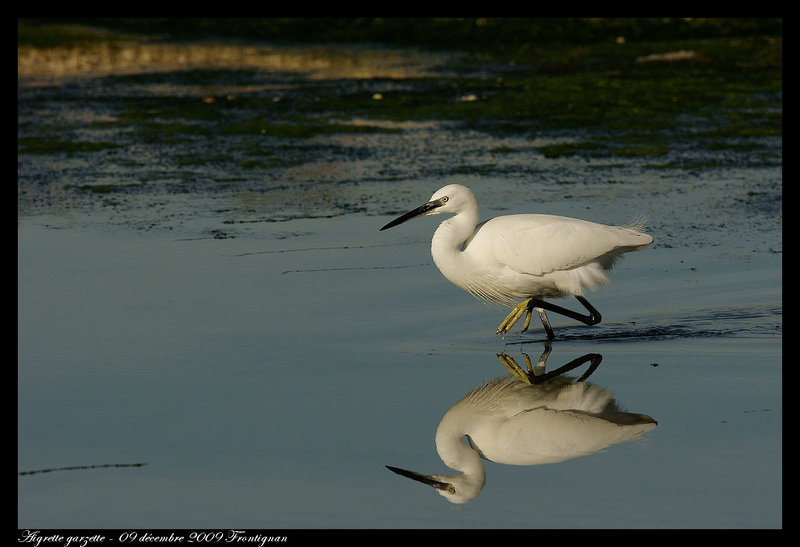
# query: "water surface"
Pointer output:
{"type": "Point", "coordinates": [213, 333]}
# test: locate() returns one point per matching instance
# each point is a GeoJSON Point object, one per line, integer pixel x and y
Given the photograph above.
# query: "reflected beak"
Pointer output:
{"type": "Point", "coordinates": [424, 479]}
{"type": "Point", "coordinates": [419, 211]}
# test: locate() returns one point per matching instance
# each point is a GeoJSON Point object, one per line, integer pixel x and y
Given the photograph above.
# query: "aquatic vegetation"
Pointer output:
{"type": "Point", "coordinates": [484, 98]}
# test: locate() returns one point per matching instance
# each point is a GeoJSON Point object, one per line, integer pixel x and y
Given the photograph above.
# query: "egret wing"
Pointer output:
{"type": "Point", "coordinates": [540, 244]}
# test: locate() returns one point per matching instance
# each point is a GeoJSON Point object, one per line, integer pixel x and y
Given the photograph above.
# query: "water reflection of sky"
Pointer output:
{"type": "Point", "coordinates": [260, 398]}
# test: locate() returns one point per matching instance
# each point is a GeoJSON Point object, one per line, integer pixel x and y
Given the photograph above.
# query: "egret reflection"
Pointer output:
{"type": "Point", "coordinates": [528, 417]}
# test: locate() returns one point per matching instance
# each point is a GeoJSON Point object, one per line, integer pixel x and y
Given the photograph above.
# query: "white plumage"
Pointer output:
{"type": "Point", "coordinates": [513, 422]}
{"type": "Point", "coordinates": [527, 256]}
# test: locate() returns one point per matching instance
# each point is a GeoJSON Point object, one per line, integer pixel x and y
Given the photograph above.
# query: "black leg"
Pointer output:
{"type": "Point", "coordinates": [545, 323]}
{"type": "Point", "coordinates": [594, 358]}
{"type": "Point", "coordinates": [592, 319]}
{"type": "Point", "coordinates": [530, 378]}
{"type": "Point", "coordinates": [540, 305]}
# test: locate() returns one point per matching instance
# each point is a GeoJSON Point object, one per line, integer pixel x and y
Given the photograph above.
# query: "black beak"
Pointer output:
{"type": "Point", "coordinates": [421, 210]}
{"type": "Point", "coordinates": [424, 479]}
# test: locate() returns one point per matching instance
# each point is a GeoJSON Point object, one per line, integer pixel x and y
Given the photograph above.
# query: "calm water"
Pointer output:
{"type": "Point", "coordinates": [204, 344]}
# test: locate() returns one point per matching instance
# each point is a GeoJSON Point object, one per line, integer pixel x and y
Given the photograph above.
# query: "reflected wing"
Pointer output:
{"type": "Point", "coordinates": [542, 435]}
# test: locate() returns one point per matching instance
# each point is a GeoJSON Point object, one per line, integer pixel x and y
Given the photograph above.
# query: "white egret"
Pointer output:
{"type": "Point", "coordinates": [541, 419]}
{"type": "Point", "coordinates": [525, 256]}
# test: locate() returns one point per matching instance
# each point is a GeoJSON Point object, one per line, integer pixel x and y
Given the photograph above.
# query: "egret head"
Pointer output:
{"type": "Point", "coordinates": [454, 488]}
{"type": "Point", "coordinates": [452, 198]}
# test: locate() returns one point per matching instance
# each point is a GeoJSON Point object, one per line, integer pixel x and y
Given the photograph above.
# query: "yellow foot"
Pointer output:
{"type": "Point", "coordinates": [514, 316]}
{"type": "Point", "coordinates": [515, 369]}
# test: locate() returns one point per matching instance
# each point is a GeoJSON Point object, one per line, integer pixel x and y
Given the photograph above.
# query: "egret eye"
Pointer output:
{"type": "Point", "coordinates": [445, 199]}
{"type": "Point", "coordinates": [451, 489]}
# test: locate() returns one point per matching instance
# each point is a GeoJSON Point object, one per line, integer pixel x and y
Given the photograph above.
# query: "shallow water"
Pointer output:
{"type": "Point", "coordinates": [206, 345]}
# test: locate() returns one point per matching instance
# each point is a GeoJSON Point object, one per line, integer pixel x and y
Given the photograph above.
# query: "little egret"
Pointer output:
{"type": "Point", "coordinates": [516, 422]}
{"type": "Point", "coordinates": [526, 256]}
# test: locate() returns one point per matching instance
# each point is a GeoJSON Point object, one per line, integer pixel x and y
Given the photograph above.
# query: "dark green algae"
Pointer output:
{"type": "Point", "coordinates": [724, 100]}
